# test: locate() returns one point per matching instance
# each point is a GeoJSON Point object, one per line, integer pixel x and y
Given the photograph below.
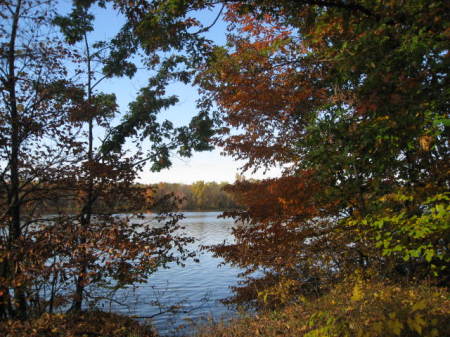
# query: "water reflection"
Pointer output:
{"type": "Point", "coordinates": [197, 286]}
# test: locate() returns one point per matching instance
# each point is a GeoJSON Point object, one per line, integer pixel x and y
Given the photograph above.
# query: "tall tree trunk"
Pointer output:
{"type": "Point", "coordinates": [86, 214]}
{"type": "Point", "coordinates": [14, 212]}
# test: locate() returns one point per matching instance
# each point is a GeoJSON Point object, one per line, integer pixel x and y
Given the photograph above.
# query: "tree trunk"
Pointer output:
{"type": "Point", "coordinates": [14, 212]}
{"type": "Point", "coordinates": [86, 213]}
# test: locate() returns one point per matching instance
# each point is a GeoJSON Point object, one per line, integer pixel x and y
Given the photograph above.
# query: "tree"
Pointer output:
{"type": "Point", "coordinates": [350, 98]}
{"type": "Point", "coordinates": [51, 110]}
{"type": "Point", "coordinates": [36, 145]}
{"type": "Point", "coordinates": [105, 181]}
{"type": "Point", "coordinates": [194, 197]}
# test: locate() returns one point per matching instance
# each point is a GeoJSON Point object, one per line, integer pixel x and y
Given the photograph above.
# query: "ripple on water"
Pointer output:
{"type": "Point", "coordinates": [198, 286]}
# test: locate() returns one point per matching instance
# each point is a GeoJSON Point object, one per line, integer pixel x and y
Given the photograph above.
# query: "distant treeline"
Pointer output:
{"type": "Point", "coordinates": [199, 196]}
{"type": "Point", "coordinates": [161, 197]}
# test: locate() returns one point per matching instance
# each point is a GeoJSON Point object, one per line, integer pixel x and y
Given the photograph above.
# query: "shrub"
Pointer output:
{"type": "Point", "coordinates": [352, 309]}
{"type": "Point", "coordinates": [87, 324]}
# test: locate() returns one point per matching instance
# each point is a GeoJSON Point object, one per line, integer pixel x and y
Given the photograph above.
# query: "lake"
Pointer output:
{"type": "Point", "coordinates": [197, 286]}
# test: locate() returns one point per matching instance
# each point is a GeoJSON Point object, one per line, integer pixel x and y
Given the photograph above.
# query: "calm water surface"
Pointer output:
{"type": "Point", "coordinates": [198, 287]}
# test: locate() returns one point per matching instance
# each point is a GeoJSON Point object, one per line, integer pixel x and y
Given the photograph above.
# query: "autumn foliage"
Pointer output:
{"type": "Point", "coordinates": [350, 100]}
{"type": "Point", "coordinates": [364, 309]}
{"type": "Point", "coordinates": [91, 324]}
{"type": "Point", "coordinates": [72, 232]}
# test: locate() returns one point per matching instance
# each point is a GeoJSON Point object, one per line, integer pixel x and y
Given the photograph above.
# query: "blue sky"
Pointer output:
{"type": "Point", "coordinates": [207, 166]}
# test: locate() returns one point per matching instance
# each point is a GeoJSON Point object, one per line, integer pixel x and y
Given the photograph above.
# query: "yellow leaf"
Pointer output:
{"type": "Point", "coordinates": [378, 327]}
{"type": "Point", "coordinates": [357, 293]}
{"type": "Point", "coordinates": [419, 323]}
{"type": "Point", "coordinates": [434, 333]}
{"type": "Point", "coordinates": [425, 142]}
{"type": "Point", "coordinates": [395, 326]}
{"type": "Point", "coordinates": [419, 305]}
